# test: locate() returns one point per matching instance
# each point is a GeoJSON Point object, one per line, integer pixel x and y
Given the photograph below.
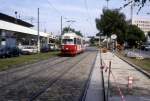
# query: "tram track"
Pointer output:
{"type": "Point", "coordinates": [70, 87]}
{"type": "Point", "coordinates": [86, 86]}
{"type": "Point", "coordinates": [32, 73]}
{"type": "Point", "coordinates": [51, 82]}
{"type": "Point", "coordinates": [40, 85]}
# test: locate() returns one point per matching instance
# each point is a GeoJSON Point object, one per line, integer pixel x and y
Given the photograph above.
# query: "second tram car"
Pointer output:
{"type": "Point", "coordinates": [72, 44]}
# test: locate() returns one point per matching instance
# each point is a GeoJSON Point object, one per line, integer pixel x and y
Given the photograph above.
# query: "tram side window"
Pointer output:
{"type": "Point", "coordinates": [78, 41]}
{"type": "Point", "coordinates": [75, 41]}
{"type": "Point", "coordinates": [67, 41]}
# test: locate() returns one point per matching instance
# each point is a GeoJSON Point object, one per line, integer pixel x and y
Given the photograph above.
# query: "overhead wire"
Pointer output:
{"type": "Point", "coordinates": [58, 11]}
{"type": "Point", "coordinates": [125, 5]}
{"type": "Point", "coordinates": [61, 14]}
{"type": "Point", "coordinates": [89, 16]}
{"type": "Point", "coordinates": [138, 4]}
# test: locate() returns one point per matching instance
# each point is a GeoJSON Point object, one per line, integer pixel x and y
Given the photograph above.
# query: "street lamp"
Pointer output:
{"type": "Point", "coordinates": [100, 38]}
{"type": "Point", "coordinates": [38, 33]}
{"type": "Point", "coordinates": [16, 16]}
{"type": "Point", "coordinates": [107, 3]}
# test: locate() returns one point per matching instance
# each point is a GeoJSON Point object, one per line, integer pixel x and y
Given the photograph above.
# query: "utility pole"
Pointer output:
{"type": "Point", "coordinates": [61, 26]}
{"type": "Point", "coordinates": [107, 3]}
{"type": "Point", "coordinates": [99, 39]}
{"type": "Point", "coordinates": [132, 4]}
{"type": "Point", "coordinates": [38, 41]}
{"type": "Point", "coordinates": [131, 12]}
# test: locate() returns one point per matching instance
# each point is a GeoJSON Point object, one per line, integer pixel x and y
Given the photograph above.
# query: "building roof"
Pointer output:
{"type": "Point", "coordinates": [11, 19]}
{"type": "Point", "coordinates": [18, 28]}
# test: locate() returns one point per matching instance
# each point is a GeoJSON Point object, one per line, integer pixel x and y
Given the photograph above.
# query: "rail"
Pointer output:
{"type": "Point", "coordinates": [52, 81]}
{"type": "Point", "coordinates": [83, 95]}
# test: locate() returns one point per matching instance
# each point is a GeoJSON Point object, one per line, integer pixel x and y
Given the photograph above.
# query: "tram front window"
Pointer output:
{"type": "Point", "coordinates": [67, 41]}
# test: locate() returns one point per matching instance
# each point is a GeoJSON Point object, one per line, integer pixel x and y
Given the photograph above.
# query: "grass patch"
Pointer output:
{"type": "Point", "coordinates": [24, 59]}
{"type": "Point", "coordinates": [144, 64]}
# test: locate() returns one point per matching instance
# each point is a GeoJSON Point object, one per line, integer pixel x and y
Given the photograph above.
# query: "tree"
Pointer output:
{"type": "Point", "coordinates": [134, 35]}
{"type": "Point", "coordinates": [67, 29]}
{"type": "Point", "coordinates": [142, 2]}
{"type": "Point", "coordinates": [112, 22]}
{"type": "Point", "coordinates": [139, 3]}
{"type": "Point", "coordinates": [92, 40]}
{"type": "Point", "coordinates": [78, 33]}
{"type": "Point", "coordinates": [148, 34]}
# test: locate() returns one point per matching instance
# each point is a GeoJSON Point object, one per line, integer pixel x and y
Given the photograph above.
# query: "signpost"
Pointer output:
{"type": "Point", "coordinates": [114, 37]}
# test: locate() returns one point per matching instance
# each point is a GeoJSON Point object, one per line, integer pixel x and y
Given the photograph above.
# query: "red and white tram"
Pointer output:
{"type": "Point", "coordinates": [72, 44]}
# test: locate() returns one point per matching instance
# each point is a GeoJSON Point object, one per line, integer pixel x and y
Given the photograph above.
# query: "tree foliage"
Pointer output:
{"type": "Point", "coordinates": [92, 40]}
{"type": "Point", "coordinates": [112, 22]}
{"type": "Point", "coordinates": [142, 2]}
{"type": "Point", "coordinates": [149, 33]}
{"type": "Point", "coordinates": [139, 3]}
{"type": "Point", "coordinates": [68, 29]}
{"type": "Point", "coordinates": [134, 35]}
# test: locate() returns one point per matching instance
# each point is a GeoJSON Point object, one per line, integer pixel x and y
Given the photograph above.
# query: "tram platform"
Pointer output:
{"type": "Point", "coordinates": [94, 92]}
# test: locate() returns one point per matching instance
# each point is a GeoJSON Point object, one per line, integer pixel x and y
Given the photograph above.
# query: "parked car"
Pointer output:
{"type": "Point", "coordinates": [45, 49]}
{"type": "Point", "coordinates": [143, 47]}
{"type": "Point", "coordinates": [2, 53]}
{"type": "Point", "coordinates": [9, 52]}
{"type": "Point", "coordinates": [26, 50]}
{"type": "Point", "coordinates": [53, 47]}
{"type": "Point", "coordinates": [147, 47]}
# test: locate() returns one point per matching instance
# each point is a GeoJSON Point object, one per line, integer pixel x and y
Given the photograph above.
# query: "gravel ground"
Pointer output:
{"type": "Point", "coordinates": [23, 83]}
{"type": "Point", "coordinates": [16, 74]}
{"type": "Point", "coordinates": [70, 86]}
{"type": "Point", "coordinates": [121, 71]}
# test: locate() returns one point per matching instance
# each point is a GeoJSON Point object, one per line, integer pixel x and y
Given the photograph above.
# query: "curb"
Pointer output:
{"type": "Point", "coordinates": [87, 84]}
{"type": "Point", "coordinates": [135, 66]}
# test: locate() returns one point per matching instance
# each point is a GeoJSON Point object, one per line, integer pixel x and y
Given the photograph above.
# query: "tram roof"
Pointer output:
{"type": "Point", "coordinates": [71, 34]}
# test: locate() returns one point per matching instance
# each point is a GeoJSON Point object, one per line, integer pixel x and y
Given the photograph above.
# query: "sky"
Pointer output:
{"type": "Point", "coordinates": [83, 12]}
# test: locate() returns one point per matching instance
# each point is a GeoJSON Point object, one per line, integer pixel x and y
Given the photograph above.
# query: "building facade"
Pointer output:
{"type": "Point", "coordinates": [144, 25]}
{"type": "Point", "coordinates": [14, 32]}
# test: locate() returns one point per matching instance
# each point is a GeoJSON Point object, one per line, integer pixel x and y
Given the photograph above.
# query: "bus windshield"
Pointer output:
{"type": "Point", "coordinates": [67, 41]}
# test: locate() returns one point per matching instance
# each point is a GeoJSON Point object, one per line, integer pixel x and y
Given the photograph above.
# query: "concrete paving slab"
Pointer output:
{"type": "Point", "coordinates": [94, 92]}
{"type": "Point", "coordinates": [122, 70]}
{"type": "Point", "coordinates": [131, 98]}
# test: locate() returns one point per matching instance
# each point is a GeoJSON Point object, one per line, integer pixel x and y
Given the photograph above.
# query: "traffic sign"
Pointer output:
{"type": "Point", "coordinates": [113, 36]}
